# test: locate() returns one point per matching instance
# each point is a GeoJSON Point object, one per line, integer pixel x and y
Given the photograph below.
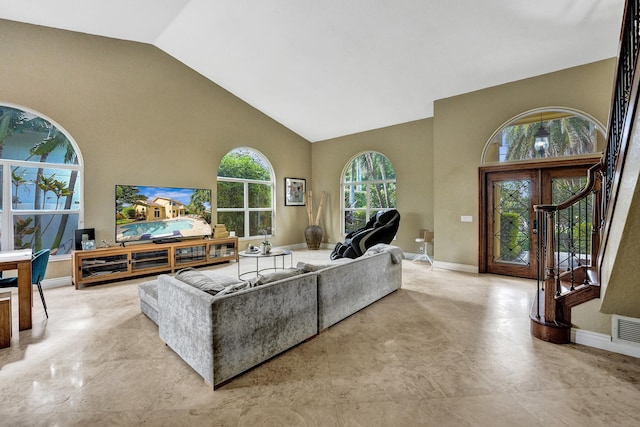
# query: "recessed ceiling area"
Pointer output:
{"type": "Point", "coordinates": [330, 68]}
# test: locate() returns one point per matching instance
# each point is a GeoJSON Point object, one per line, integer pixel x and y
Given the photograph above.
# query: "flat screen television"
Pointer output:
{"type": "Point", "coordinates": [145, 213]}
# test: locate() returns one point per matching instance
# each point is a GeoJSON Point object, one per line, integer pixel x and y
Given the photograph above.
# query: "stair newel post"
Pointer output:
{"type": "Point", "coordinates": [550, 285]}
{"type": "Point", "coordinates": [537, 224]}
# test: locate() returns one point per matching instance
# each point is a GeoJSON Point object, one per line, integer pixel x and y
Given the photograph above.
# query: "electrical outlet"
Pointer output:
{"type": "Point", "coordinates": [421, 250]}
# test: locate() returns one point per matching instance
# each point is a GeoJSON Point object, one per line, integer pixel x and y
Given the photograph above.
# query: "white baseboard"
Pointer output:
{"type": "Point", "coordinates": [56, 282]}
{"type": "Point", "coordinates": [465, 268]}
{"type": "Point", "coordinates": [603, 342]}
{"type": "Point", "coordinates": [299, 246]}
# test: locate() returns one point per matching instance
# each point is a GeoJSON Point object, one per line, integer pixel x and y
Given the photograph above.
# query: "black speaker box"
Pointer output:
{"type": "Point", "coordinates": [79, 233]}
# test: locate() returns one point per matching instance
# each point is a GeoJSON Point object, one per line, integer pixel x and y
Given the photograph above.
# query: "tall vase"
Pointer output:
{"type": "Point", "coordinates": [313, 236]}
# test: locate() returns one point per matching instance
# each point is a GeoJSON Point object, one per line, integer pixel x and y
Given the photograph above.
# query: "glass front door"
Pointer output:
{"type": "Point", "coordinates": [508, 239]}
{"type": "Point", "coordinates": [511, 236]}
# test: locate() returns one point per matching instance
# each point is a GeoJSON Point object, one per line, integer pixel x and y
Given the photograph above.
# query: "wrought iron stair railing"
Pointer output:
{"type": "Point", "coordinates": [562, 286]}
{"type": "Point", "coordinates": [566, 274]}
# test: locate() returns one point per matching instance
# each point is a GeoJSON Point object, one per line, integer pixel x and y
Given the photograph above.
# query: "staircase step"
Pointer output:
{"type": "Point", "coordinates": [551, 331]}
{"type": "Point", "coordinates": [582, 277]}
{"type": "Point", "coordinates": [555, 331]}
{"type": "Point", "coordinates": [579, 295]}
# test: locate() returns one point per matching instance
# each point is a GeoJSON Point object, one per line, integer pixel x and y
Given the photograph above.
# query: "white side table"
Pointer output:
{"type": "Point", "coordinates": [274, 254]}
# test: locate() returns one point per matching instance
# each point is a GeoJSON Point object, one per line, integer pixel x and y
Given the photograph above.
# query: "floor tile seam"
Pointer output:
{"type": "Point", "coordinates": [249, 406]}
{"type": "Point", "coordinates": [99, 361]}
{"type": "Point", "coordinates": [449, 397]}
{"type": "Point", "coordinates": [523, 396]}
{"type": "Point", "coordinates": [431, 399]}
{"type": "Point", "coordinates": [148, 417]}
{"type": "Point", "coordinates": [631, 387]}
{"type": "Point", "coordinates": [82, 401]}
{"type": "Point", "coordinates": [157, 403]}
{"type": "Point", "coordinates": [543, 391]}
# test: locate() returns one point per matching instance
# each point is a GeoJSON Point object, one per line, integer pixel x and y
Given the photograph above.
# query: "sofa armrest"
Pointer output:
{"type": "Point", "coordinates": [186, 323]}
{"type": "Point", "coordinates": [256, 324]}
{"type": "Point", "coordinates": [221, 337]}
{"type": "Point", "coordinates": [344, 289]}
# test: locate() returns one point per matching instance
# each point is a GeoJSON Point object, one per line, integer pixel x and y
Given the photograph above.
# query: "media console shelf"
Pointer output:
{"type": "Point", "coordinates": [106, 264]}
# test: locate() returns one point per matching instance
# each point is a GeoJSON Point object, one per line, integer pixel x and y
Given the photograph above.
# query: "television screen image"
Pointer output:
{"type": "Point", "coordinates": [145, 213]}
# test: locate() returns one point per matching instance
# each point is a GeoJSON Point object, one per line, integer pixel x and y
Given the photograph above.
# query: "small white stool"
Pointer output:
{"type": "Point", "coordinates": [427, 237]}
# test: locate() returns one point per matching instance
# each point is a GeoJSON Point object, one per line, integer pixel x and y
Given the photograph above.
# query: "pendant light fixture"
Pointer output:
{"type": "Point", "coordinates": [541, 140]}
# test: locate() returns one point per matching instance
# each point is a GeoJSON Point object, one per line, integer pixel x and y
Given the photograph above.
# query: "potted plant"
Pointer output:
{"type": "Point", "coordinates": [265, 245]}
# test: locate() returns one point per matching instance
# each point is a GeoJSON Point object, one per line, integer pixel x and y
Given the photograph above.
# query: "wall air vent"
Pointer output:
{"type": "Point", "coordinates": [625, 330]}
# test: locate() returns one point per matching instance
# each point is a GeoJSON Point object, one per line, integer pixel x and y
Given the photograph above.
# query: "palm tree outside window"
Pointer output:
{"type": "Point", "coordinates": [40, 168]}
{"type": "Point", "coordinates": [571, 133]}
{"type": "Point", "coordinates": [368, 186]}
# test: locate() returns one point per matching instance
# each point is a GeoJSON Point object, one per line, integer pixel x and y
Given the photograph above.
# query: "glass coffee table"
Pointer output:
{"type": "Point", "coordinates": [274, 254]}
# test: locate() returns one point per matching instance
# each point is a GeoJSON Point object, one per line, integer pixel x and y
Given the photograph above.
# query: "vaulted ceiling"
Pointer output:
{"type": "Point", "coordinates": [328, 68]}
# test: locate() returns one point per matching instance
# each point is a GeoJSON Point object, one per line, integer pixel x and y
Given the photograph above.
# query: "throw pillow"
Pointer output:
{"type": "Point", "coordinates": [309, 268]}
{"type": "Point", "coordinates": [211, 283]}
{"type": "Point", "coordinates": [275, 276]}
{"type": "Point", "coordinates": [396, 253]}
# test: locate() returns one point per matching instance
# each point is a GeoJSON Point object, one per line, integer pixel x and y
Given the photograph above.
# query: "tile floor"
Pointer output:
{"type": "Point", "coordinates": [448, 349]}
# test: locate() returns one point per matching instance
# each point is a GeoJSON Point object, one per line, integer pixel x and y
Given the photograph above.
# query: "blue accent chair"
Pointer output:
{"type": "Point", "coordinates": [38, 269]}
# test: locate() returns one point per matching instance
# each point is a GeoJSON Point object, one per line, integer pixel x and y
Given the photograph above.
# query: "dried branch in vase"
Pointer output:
{"type": "Point", "coordinates": [310, 209]}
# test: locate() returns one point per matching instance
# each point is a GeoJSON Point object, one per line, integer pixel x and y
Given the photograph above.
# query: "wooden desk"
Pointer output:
{"type": "Point", "coordinates": [25, 291]}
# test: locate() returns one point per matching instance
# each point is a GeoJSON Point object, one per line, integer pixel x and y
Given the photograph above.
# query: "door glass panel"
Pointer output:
{"type": "Point", "coordinates": [382, 195]}
{"type": "Point", "coordinates": [53, 231]}
{"type": "Point", "coordinates": [355, 196]}
{"type": "Point", "coordinates": [259, 195]}
{"type": "Point", "coordinates": [354, 219]}
{"type": "Point", "coordinates": [234, 221]}
{"type": "Point", "coordinates": [573, 225]}
{"type": "Point", "coordinates": [260, 222]}
{"type": "Point", "coordinates": [230, 195]}
{"type": "Point", "coordinates": [511, 221]}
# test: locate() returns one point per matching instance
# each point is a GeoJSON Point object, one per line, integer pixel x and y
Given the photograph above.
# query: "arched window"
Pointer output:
{"type": "Point", "coordinates": [368, 186]}
{"type": "Point", "coordinates": [41, 181]}
{"type": "Point", "coordinates": [545, 133]}
{"type": "Point", "coordinates": [245, 193]}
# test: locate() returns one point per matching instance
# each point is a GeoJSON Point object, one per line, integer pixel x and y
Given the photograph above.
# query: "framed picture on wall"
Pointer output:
{"type": "Point", "coordinates": [294, 191]}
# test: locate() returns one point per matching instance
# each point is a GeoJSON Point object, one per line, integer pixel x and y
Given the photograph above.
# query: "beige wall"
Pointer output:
{"type": "Point", "coordinates": [462, 126]}
{"type": "Point", "coordinates": [140, 117]}
{"type": "Point", "coordinates": [409, 147]}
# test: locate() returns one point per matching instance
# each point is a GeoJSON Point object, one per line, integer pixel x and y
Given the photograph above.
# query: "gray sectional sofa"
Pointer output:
{"type": "Point", "coordinates": [221, 336]}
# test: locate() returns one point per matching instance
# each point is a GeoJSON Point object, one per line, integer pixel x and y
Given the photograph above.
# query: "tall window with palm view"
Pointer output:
{"type": "Point", "coordinates": [368, 186]}
{"type": "Point", "coordinates": [41, 174]}
{"type": "Point", "coordinates": [245, 193]}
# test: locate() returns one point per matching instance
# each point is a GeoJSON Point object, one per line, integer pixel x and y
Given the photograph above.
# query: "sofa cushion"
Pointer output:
{"type": "Point", "coordinates": [396, 253]}
{"type": "Point", "coordinates": [312, 268]}
{"type": "Point", "coordinates": [148, 292]}
{"type": "Point", "coordinates": [263, 279]}
{"type": "Point", "coordinates": [211, 283]}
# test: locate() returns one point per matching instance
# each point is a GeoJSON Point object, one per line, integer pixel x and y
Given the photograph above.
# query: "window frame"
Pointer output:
{"type": "Point", "coordinates": [368, 184]}
{"type": "Point", "coordinates": [490, 156]}
{"type": "Point", "coordinates": [7, 210]}
{"type": "Point", "coordinates": [246, 209]}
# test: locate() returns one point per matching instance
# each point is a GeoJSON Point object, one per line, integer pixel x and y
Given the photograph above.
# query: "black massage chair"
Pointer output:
{"type": "Point", "coordinates": [380, 229]}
